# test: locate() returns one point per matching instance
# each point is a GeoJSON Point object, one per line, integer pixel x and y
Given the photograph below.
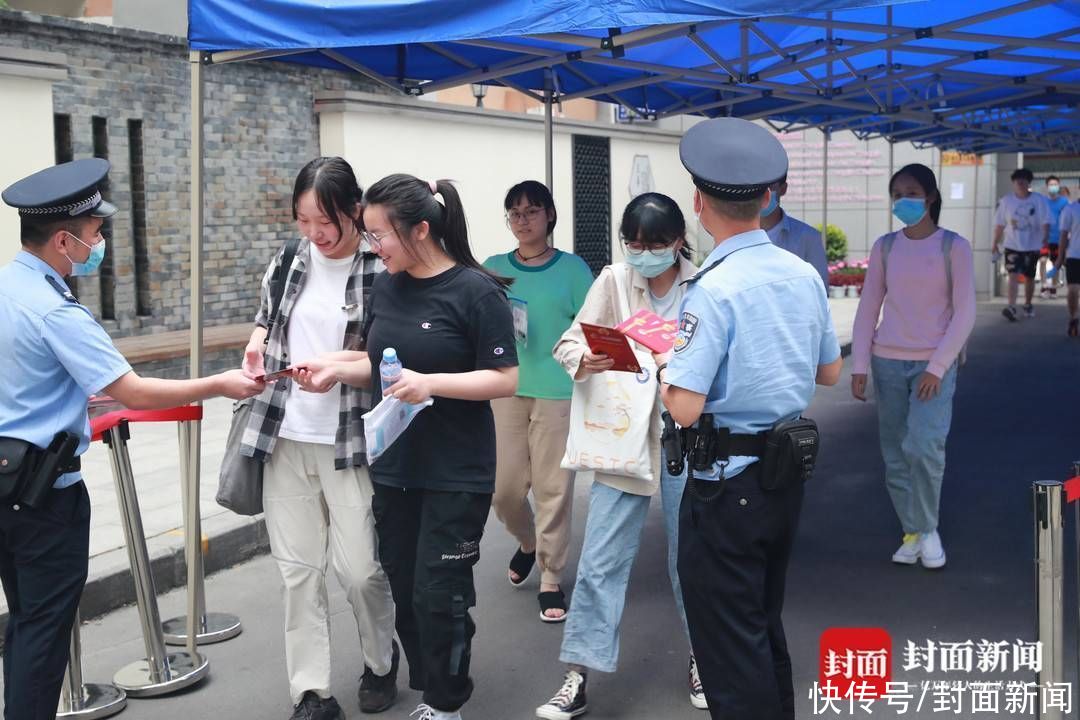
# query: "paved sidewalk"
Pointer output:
{"type": "Point", "coordinates": [229, 538]}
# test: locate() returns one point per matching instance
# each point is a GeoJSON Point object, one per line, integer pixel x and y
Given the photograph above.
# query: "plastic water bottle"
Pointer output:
{"type": "Point", "coordinates": [389, 368]}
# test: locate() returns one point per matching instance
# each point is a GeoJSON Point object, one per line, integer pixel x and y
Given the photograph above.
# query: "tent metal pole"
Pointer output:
{"type": "Point", "coordinates": [549, 144]}
{"type": "Point", "coordinates": [888, 106]}
{"type": "Point", "coordinates": [825, 192]}
{"type": "Point", "coordinates": [196, 214]}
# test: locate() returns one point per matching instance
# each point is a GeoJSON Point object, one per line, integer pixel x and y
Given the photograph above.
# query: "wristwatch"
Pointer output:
{"type": "Point", "coordinates": [659, 368]}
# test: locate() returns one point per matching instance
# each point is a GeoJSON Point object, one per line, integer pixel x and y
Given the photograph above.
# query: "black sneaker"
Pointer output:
{"type": "Point", "coordinates": [1029, 311]}
{"type": "Point", "coordinates": [569, 702]}
{"type": "Point", "coordinates": [313, 707]}
{"type": "Point", "coordinates": [1010, 313]}
{"type": "Point", "coordinates": [378, 692]}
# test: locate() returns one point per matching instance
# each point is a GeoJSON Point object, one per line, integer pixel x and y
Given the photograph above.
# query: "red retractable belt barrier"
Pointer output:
{"type": "Point", "coordinates": [1072, 489]}
{"type": "Point", "coordinates": [101, 424]}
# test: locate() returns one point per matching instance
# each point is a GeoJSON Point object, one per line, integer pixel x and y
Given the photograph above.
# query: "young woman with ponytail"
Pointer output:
{"type": "Point", "coordinates": [920, 282]}
{"type": "Point", "coordinates": [451, 325]}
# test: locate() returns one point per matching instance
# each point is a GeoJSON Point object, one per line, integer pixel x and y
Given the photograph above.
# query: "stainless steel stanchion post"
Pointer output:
{"type": "Point", "coordinates": [209, 627]}
{"type": "Point", "coordinates": [1050, 585]}
{"type": "Point", "coordinates": [160, 672]}
{"type": "Point", "coordinates": [86, 701]}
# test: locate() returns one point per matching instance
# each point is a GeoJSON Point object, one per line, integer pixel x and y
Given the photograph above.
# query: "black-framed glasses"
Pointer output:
{"type": "Point", "coordinates": [657, 248]}
{"type": "Point", "coordinates": [515, 217]}
{"type": "Point", "coordinates": [375, 241]}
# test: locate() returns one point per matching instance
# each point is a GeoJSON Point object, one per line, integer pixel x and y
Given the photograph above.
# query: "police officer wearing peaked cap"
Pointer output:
{"type": "Point", "coordinates": [755, 335]}
{"type": "Point", "coordinates": [56, 356]}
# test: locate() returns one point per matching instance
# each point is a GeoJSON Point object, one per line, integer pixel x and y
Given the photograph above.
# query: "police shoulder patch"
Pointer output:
{"type": "Point", "coordinates": [688, 325]}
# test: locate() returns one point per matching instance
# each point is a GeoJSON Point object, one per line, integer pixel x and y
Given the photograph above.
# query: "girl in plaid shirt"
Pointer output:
{"type": "Point", "coordinates": [317, 492]}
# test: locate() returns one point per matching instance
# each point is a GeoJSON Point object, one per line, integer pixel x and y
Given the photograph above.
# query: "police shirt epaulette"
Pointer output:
{"type": "Point", "coordinates": [64, 292]}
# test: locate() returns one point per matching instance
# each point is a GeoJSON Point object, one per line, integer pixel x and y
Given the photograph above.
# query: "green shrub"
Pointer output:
{"type": "Point", "coordinates": [835, 244]}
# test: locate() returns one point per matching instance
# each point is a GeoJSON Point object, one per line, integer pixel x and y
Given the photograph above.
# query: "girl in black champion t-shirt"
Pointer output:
{"type": "Point", "coordinates": [451, 325]}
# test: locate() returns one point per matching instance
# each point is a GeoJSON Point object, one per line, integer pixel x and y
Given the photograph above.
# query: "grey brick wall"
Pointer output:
{"type": "Point", "coordinates": [260, 130]}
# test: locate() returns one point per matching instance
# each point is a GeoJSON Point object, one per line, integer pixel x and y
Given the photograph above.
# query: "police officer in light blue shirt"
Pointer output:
{"type": "Point", "coordinates": [55, 355]}
{"type": "Point", "coordinates": [793, 235]}
{"type": "Point", "coordinates": [755, 335]}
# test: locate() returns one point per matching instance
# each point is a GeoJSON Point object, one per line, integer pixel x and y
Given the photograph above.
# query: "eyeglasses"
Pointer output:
{"type": "Point", "coordinates": [657, 249]}
{"type": "Point", "coordinates": [375, 241]}
{"type": "Point", "coordinates": [514, 217]}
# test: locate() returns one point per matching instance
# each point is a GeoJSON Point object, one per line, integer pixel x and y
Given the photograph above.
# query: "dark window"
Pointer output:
{"type": "Point", "coordinates": [592, 200]}
{"type": "Point", "coordinates": [64, 153]}
{"type": "Point", "coordinates": [143, 305]}
{"type": "Point", "coordinates": [107, 273]}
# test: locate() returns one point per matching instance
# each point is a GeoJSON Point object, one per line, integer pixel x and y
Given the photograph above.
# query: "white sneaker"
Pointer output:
{"type": "Point", "coordinates": [426, 712]}
{"type": "Point", "coordinates": [697, 695]}
{"type": "Point", "coordinates": [908, 553]}
{"type": "Point", "coordinates": [930, 551]}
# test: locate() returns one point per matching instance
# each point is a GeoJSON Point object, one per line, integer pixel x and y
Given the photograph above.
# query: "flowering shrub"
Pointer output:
{"type": "Point", "coordinates": [844, 273]}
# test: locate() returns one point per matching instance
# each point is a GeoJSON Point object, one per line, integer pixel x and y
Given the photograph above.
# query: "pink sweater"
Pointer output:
{"type": "Point", "coordinates": [917, 322]}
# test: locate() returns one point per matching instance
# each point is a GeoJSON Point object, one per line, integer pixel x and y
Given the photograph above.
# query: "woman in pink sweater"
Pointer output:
{"type": "Point", "coordinates": [920, 282]}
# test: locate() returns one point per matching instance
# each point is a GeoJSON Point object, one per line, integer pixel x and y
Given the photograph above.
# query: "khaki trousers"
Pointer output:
{"type": "Point", "coordinates": [530, 440]}
{"type": "Point", "coordinates": [315, 513]}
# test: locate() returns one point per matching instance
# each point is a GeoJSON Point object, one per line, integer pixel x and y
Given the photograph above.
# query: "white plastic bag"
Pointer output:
{"type": "Point", "coordinates": [384, 424]}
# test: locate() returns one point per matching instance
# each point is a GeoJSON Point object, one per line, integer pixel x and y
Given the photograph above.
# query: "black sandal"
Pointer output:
{"type": "Point", "coordinates": [552, 600]}
{"type": "Point", "coordinates": [521, 565]}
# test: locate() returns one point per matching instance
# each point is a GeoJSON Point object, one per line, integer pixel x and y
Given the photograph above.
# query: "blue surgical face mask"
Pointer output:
{"type": "Point", "coordinates": [1053, 189]}
{"type": "Point", "coordinates": [650, 265]}
{"type": "Point", "coordinates": [93, 261]}
{"type": "Point", "coordinates": [774, 202]}
{"type": "Point", "coordinates": [909, 210]}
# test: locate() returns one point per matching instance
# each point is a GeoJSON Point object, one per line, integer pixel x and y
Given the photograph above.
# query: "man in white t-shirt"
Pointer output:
{"type": "Point", "coordinates": [1069, 257]}
{"type": "Point", "coordinates": [1023, 219]}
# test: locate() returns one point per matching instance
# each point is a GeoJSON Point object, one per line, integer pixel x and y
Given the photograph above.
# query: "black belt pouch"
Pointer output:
{"type": "Point", "coordinates": [791, 449]}
{"type": "Point", "coordinates": [17, 461]}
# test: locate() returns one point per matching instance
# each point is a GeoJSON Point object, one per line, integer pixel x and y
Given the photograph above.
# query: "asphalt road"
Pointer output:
{"type": "Point", "coordinates": [1015, 422]}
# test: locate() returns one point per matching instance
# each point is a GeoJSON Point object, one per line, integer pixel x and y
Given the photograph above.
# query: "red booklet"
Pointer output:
{"type": "Point", "coordinates": [612, 343]}
{"type": "Point", "coordinates": [651, 330]}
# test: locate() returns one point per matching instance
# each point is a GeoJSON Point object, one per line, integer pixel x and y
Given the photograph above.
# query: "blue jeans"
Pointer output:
{"type": "Point", "coordinates": [913, 434]}
{"type": "Point", "coordinates": [612, 538]}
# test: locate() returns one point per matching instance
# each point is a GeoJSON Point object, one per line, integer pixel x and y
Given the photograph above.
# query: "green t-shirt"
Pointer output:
{"type": "Point", "coordinates": [553, 293]}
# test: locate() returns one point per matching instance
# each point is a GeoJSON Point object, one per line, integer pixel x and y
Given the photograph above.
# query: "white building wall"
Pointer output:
{"type": "Point", "coordinates": [488, 151]}
{"type": "Point", "coordinates": [32, 125]}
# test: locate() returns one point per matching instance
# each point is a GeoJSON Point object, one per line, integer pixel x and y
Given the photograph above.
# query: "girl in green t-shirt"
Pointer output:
{"type": "Point", "coordinates": [549, 288]}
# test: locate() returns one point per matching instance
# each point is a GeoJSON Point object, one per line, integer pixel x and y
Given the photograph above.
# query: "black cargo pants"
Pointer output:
{"type": "Point", "coordinates": [429, 541]}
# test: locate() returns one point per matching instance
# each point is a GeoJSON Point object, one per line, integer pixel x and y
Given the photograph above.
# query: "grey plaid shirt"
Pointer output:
{"type": "Point", "coordinates": [268, 410]}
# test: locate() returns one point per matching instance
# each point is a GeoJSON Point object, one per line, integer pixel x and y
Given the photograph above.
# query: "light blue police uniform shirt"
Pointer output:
{"type": "Point", "coordinates": [752, 333]}
{"type": "Point", "coordinates": [55, 355]}
{"type": "Point", "coordinates": [803, 240]}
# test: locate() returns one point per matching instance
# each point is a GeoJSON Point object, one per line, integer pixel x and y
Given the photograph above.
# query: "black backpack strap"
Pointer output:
{"type": "Point", "coordinates": [278, 281]}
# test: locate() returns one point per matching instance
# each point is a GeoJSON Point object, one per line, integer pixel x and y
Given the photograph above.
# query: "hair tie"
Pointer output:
{"type": "Point", "coordinates": [434, 186]}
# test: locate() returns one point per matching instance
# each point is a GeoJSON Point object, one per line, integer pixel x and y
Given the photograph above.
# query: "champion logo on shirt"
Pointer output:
{"type": "Point", "coordinates": [425, 325]}
{"type": "Point", "coordinates": [499, 351]}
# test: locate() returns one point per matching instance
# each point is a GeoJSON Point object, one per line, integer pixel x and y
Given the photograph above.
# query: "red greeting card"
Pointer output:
{"type": "Point", "coordinates": [612, 343]}
{"type": "Point", "coordinates": [651, 330]}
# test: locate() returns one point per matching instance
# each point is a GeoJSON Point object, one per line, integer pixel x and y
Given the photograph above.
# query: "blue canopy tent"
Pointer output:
{"type": "Point", "coordinates": [979, 76]}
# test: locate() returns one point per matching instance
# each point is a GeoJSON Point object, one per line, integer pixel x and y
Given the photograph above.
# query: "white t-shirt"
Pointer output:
{"type": "Point", "coordinates": [316, 326]}
{"type": "Point", "coordinates": [667, 306]}
{"type": "Point", "coordinates": [1069, 222]}
{"type": "Point", "coordinates": [1023, 220]}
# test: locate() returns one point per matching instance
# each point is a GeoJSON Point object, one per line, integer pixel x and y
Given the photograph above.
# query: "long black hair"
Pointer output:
{"type": "Point", "coordinates": [925, 177]}
{"type": "Point", "coordinates": [336, 190]}
{"type": "Point", "coordinates": [535, 193]}
{"type": "Point", "coordinates": [410, 201]}
{"type": "Point", "coordinates": [652, 218]}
